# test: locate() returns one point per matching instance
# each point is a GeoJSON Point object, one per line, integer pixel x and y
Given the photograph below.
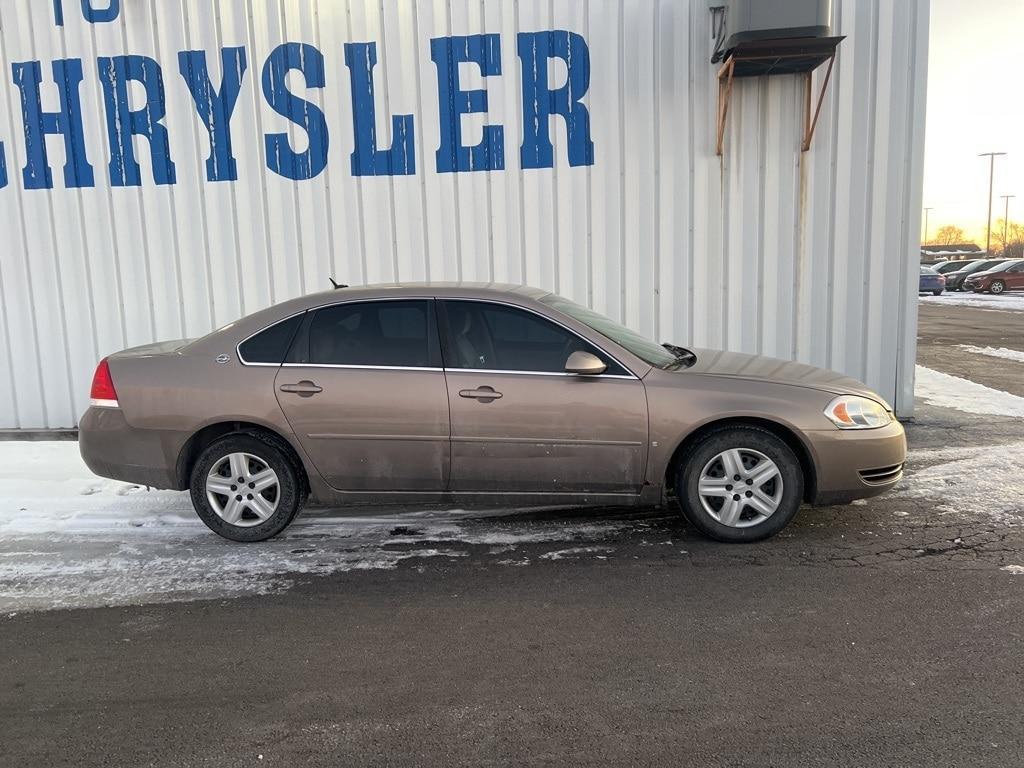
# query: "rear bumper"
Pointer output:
{"type": "Point", "coordinates": [857, 464]}
{"type": "Point", "coordinates": [112, 448]}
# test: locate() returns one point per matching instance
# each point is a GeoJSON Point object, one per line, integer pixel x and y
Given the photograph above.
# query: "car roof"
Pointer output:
{"type": "Point", "coordinates": [446, 289]}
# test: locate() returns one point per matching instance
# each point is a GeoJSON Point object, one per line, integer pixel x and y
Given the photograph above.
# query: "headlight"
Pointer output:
{"type": "Point", "coordinates": [853, 412]}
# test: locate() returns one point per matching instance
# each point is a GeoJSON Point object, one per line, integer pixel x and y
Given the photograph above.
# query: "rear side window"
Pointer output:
{"type": "Point", "coordinates": [271, 345]}
{"type": "Point", "coordinates": [398, 334]}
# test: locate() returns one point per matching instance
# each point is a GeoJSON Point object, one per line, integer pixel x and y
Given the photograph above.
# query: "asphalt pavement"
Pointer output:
{"type": "Point", "coordinates": [878, 634]}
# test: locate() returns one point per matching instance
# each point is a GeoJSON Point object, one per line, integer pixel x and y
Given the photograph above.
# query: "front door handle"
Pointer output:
{"type": "Point", "coordinates": [483, 394]}
{"type": "Point", "coordinates": [302, 389]}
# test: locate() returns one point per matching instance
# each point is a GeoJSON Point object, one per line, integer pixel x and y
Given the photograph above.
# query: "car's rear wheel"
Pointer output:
{"type": "Point", "coordinates": [740, 484]}
{"type": "Point", "coordinates": [997, 287]}
{"type": "Point", "coordinates": [245, 488]}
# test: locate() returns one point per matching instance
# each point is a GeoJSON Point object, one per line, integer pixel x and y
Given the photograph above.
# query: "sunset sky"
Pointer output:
{"type": "Point", "coordinates": [975, 104]}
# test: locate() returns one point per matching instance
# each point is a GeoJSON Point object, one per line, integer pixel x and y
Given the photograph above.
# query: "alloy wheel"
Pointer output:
{"type": "Point", "coordinates": [740, 487]}
{"type": "Point", "coordinates": [243, 490]}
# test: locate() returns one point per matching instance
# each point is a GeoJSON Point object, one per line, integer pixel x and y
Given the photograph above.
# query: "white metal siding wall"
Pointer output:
{"type": "Point", "coordinates": [804, 256]}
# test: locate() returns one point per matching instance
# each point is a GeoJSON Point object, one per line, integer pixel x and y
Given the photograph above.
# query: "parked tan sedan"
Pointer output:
{"type": "Point", "coordinates": [479, 394]}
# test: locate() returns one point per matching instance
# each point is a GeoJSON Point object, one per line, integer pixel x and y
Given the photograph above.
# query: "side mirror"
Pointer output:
{"type": "Point", "coordinates": [585, 364]}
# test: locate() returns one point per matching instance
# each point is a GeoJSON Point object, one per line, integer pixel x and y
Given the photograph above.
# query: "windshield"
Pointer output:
{"type": "Point", "coordinates": [659, 356]}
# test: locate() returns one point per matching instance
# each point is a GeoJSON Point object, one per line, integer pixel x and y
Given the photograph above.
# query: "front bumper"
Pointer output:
{"type": "Point", "coordinates": [112, 448]}
{"type": "Point", "coordinates": [857, 464]}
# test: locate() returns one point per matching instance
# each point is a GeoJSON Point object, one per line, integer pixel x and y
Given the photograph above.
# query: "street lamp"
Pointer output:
{"type": "Point", "coordinates": [991, 175]}
{"type": "Point", "coordinates": [926, 212]}
{"type": "Point", "coordinates": [1006, 222]}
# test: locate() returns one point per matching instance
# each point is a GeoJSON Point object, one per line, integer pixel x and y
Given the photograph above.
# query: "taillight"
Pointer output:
{"type": "Point", "coordinates": [103, 394]}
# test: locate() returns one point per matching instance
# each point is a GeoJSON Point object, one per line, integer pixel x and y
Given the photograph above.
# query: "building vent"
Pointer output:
{"type": "Point", "coordinates": [755, 38]}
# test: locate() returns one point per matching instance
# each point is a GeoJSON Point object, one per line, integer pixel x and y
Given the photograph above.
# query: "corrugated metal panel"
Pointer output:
{"type": "Point", "coordinates": [804, 256]}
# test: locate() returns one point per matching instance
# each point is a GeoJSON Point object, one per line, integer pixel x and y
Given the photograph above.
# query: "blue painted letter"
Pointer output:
{"type": "Point", "coordinates": [94, 15]}
{"type": "Point", "coordinates": [123, 122]}
{"type": "Point", "coordinates": [3, 166]}
{"type": "Point", "coordinates": [367, 160]}
{"type": "Point", "coordinates": [67, 73]}
{"type": "Point", "coordinates": [281, 158]}
{"type": "Point", "coordinates": [540, 102]}
{"type": "Point", "coordinates": [448, 53]}
{"type": "Point", "coordinates": [215, 107]}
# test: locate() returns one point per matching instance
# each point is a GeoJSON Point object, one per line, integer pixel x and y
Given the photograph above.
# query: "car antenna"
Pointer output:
{"type": "Point", "coordinates": [336, 285]}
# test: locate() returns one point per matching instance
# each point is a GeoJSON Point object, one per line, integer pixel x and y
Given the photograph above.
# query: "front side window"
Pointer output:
{"type": "Point", "coordinates": [379, 333]}
{"type": "Point", "coordinates": [501, 338]}
{"type": "Point", "coordinates": [649, 351]}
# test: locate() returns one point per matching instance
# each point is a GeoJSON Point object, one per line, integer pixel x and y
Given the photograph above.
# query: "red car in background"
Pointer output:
{"type": "Point", "coordinates": [1005, 277]}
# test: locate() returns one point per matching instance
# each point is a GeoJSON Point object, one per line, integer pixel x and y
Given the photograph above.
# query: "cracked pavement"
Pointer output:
{"type": "Point", "coordinates": [884, 633]}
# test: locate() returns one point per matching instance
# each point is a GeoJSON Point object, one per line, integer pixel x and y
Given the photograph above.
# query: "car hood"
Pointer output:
{"type": "Point", "coordinates": [712, 362]}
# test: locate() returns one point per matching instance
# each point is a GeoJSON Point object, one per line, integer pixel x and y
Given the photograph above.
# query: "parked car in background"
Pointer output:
{"type": "Point", "coordinates": [931, 282]}
{"type": "Point", "coordinates": [945, 267]}
{"type": "Point", "coordinates": [955, 280]}
{"type": "Point", "coordinates": [1008, 276]}
{"type": "Point", "coordinates": [469, 393]}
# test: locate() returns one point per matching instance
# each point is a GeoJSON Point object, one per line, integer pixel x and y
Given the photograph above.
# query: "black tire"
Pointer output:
{"type": "Point", "coordinates": [749, 438]}
{"type": "Point", "coordinates": [290, 494]}
{"type": "Point", "coordinates": [997, 287]}
{"type": "Point", "coordinates": [937, 293]}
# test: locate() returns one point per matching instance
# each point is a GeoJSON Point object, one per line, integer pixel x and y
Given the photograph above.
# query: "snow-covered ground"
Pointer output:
{"type": "Point", "coordinates": [1011, 302]}
{"type": "Point", "coordinates": [70, 539]}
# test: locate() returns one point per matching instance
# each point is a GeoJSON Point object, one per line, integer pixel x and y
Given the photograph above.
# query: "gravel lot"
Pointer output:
{"type": "Point", "coordinates": [886, 633]}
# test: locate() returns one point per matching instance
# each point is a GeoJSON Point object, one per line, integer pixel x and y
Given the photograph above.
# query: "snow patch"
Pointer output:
{"type": "Point", "coordinates": [947, 391]}
{"type": "Point", "coordinates": [969, 481]}
{"type": "Point", "coordinates": [1001, 352]}
{"type": "Point", "coordinates": [1016, 570]}
{"type": "Point", "coordinates": [1005, 302]}
{"type": "Point", "coordinates": [562, 554]}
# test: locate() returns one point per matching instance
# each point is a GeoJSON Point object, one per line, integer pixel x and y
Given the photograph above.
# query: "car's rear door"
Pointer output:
{"type": "Point", "coordinates": [364, 391]}
{"type": "Point", "coordinates": [520, 423]}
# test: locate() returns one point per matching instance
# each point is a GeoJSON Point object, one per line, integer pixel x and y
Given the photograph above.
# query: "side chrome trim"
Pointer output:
{"type": "Point", "coordinates": [363, 367]}
{"type": "Point", "coordinates": [408, 438]}
{"type": "Point", "coordinates": [492, 371]}
{"type": "Point", "coordinates": [546, 441]}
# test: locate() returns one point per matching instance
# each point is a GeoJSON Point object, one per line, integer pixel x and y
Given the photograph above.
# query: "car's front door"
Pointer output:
{"type": "Point", "coordinates": [520, 423]}
{"type": "Point", "coordinates": [364, 392]}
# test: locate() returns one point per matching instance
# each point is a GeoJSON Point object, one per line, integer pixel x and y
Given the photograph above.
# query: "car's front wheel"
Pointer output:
{"type": "Point", "coordinates": [997, 287]}
{"type": "Point", "coordinates": [245, 488]}
{"type": "Point", "coordinates": [740, 484]}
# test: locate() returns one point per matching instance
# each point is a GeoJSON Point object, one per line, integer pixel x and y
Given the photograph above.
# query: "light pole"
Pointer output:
{"type": "Point", "coordinates": [1006, 221]}
{"type": "Point", "coordinates": [926, 212]}
{"type": "Point", "coordinates": [991, 175]}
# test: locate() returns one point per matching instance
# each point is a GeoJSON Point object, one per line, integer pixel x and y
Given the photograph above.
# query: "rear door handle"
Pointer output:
{"type": "Point", "coordinates": [483, 394]}
{"type": "Point", "coordinates": [302, 389]}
